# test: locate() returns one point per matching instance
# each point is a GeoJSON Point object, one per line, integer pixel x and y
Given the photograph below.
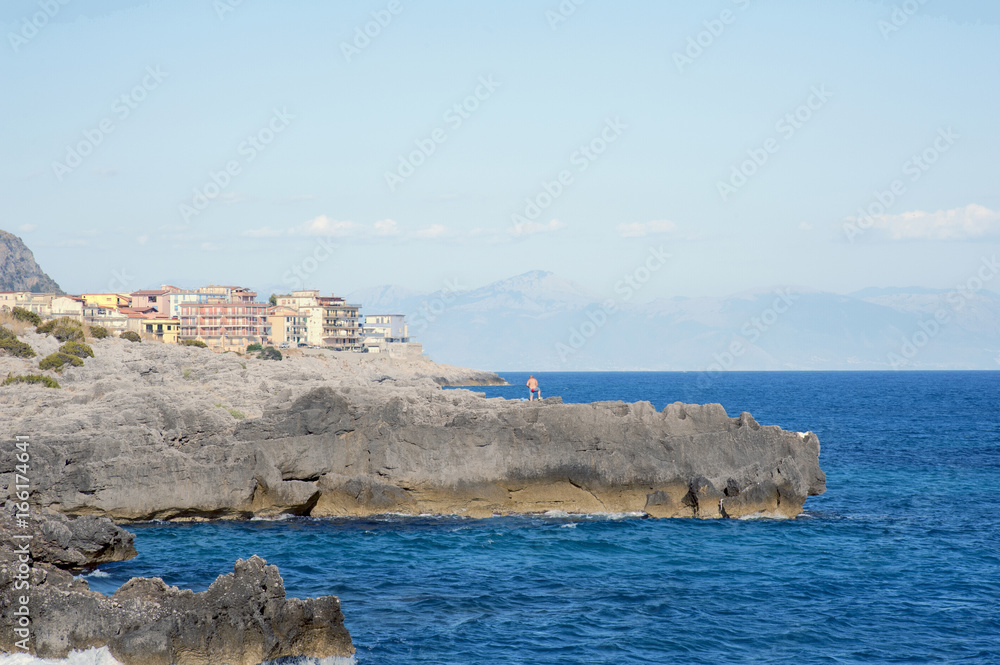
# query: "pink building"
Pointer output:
{"type": "Point", "coordinates": [226, 325]}
{"type": "Point", "coordinates": [157, 299]}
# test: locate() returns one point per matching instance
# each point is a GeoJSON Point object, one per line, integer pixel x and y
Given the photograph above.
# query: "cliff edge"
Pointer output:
{"type": "Point", "coordinates": [152, 431]}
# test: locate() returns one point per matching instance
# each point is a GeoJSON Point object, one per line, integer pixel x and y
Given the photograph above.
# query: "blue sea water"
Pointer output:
{"type": "Point", "coordinates": [899, 562]}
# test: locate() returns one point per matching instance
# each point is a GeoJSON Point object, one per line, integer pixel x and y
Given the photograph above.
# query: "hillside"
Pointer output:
{"type": "Point", "coordinates": [18, 269]}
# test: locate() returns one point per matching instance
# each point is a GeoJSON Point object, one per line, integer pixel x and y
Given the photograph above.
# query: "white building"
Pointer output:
{"type": "Point", "coordinates": [380, 330]}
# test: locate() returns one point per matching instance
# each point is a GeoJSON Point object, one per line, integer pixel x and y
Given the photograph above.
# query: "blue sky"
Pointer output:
{"type": "Point", "coordinates": [118, 116]}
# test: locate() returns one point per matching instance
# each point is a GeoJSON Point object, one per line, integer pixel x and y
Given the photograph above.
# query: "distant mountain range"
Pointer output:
{"type": "Point", "coordinates": [18, 270]}
{"type": "Point", "coordinates": [539, 321]}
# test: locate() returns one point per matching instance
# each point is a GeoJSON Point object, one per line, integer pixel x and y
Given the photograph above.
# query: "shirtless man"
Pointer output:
{"type": "Point", "coordinates": [533, 387]}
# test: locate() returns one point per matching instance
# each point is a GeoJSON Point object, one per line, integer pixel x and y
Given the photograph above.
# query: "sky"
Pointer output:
{"type": "Point", "coordinates": [831, 145]}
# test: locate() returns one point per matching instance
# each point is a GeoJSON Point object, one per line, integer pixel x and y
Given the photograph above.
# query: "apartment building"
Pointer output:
{"type": "Point", "coordinates": [288, 326]}
{"type": "Point", "coordinates": [329, 320]}
{"type": "Point", "coordinates": [154, 327]}
{"type": "Point", "coordinates": [106, 317]}
{"type": "Point", "coordinates": [107, 299]}
{"type": "Point", "coordinates": [158, 299]}
{"type": "Point", "coordinates": [224, 325]}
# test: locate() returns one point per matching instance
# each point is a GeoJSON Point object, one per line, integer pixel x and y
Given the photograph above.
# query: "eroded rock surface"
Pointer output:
{"type": "Point", "coordinates": [243, 618]}
{"type": "Point", "coordinates": [149, 430]}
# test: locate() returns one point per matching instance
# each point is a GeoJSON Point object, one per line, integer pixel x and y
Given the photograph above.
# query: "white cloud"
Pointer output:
{"type": "Point", "coordinates": [531, 228]}
{"type": "Point", "coordinates": [26, 228]}
{"type": "Point", "coordinates": [142, 239]}
{"type": "Point", "coordinates": [654, 227]}
{"type": "Point", "coordinates": [805, 226]}
{"type": "Point", "coordinates": [386, 227]}
{"type": "Point", "coordinates": [432, 231]}
{"type": "Point", "coordinates": [972, 221]}
{"type": "Point", "coordinates": [324, 226]}
{"type": "Point", "coordinates": [210, 246]}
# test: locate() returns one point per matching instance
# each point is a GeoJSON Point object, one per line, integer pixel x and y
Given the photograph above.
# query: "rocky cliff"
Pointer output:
{"type": "Point", "coordinates": [18, 270]}
{"type": "Point", "coordinates": [147, 431]}
{"type": "Point", "coordinates": [243, 618]}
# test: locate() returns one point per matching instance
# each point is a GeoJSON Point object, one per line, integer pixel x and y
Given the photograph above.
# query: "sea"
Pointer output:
{"type": "Point", "coordinates": [898, 562]}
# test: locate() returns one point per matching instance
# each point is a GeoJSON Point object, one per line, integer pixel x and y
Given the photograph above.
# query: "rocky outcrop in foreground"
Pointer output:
{"type": "Point", "coordinates": [243, 618]}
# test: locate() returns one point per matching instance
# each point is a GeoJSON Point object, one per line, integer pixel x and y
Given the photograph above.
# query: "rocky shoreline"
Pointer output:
{"type": "Point", "coordinates": [151, 431]}
{"type": "Point", "coordinates": [243, 618]}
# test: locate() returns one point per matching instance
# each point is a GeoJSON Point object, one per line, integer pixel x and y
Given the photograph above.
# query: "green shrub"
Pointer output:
{"type": "Point", "coordinates": [12, 345]}
{"type": "Point", "coordinates": [254, 347]}
{"type": "Point", "coordinates": [193, 342]}
{"type": "Point", "coordinates": [46, 381]}
{"type": "Point", "coordinates": [21, 314]}
{"type": "Point", "coordinates": [57, 360]}
{"type": "Point", "coordinates": [131, 336]}
{"type": "Point", "coordinates": [63, 329]}
{"type": "Point", "coordinates": [98, 332]}
{"type": "Point", "coordinates": [78, 349]}
{"type": "Point", "coordinates": [239, 415]}
{"type": "Point", "coordinates": [270, 353]}
{"type": "Point", "coordinates": [16, 347]}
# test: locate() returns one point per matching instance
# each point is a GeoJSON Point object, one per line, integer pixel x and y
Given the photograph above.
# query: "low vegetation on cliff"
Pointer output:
{"type": "Point", "coordinates": [10, 344]}
{"type": "Point", "coordinates": [64, 329]}
{"type": "Point", "coordinates": [41, 379]}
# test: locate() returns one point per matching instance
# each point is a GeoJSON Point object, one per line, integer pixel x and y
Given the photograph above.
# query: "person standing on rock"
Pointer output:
{"type": "Point", "coordinates": [533, 387]}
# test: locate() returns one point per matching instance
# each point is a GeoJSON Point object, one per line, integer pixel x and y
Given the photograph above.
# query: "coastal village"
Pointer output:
{"type": "Point", "coordinates": [227, 318]}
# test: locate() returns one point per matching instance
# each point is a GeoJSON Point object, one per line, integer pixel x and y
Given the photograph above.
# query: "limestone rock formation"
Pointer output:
{"type": "Point", "coordinates": [243, 618]}
{"type": "Point", "coordinates": [18, 270]}
{"type": "Point", "coordinates": [72, 544]}
{"type": "Point", "coordinates": [156, 431]}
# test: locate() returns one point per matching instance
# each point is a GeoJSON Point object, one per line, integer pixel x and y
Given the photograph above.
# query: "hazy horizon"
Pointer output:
{"type": "Point", "coordinates": [338, 147]}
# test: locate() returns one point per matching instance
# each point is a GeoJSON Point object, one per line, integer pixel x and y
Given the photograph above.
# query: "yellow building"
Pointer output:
{"type": "Point", "coordinates": [288, 327]}
{"type": "Point", "coordinates": [109, 300]}
{"type": "Point", "coordinates": [161, 329]}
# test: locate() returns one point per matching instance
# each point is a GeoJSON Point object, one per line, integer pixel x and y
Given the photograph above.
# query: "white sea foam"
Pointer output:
{"type": "Point", "coordinates": [765, 516]}
{"type": "Point", "coordinates": [103, 657]}
{"type": "Point", "coordinates": [97, 573]}
{"type": "Point", "coordinates": [281, 517]}
{"type": "Point", "coordinates": [89, 657]}
{"type": "Point", "coordinates": [562, 514]}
